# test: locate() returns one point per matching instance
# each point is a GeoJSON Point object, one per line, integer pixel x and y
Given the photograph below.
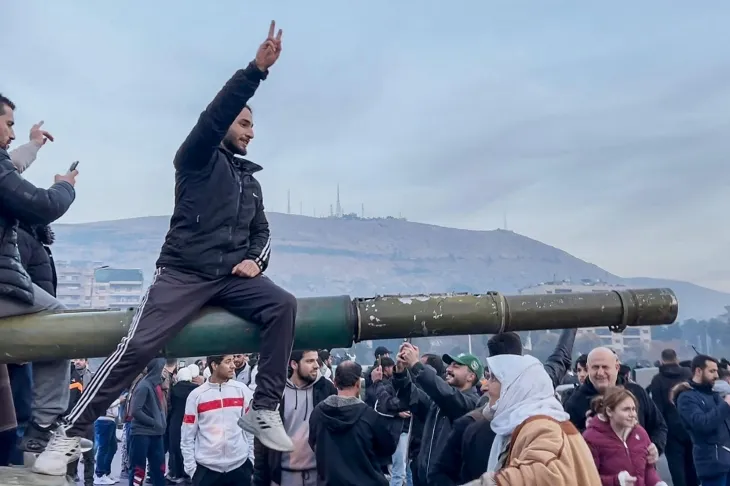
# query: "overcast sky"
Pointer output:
{"type": "Point", "coordinates": [602, 129]}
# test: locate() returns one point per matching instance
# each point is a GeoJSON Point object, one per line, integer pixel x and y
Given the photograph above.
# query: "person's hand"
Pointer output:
{"type": "Point", "coordinates": [626, 479]}
{"type": "Point", "coordinates": [69, 177]}
{"type": "Point", "coordinates": [247, 268]}
{"type": "Point", "coordinates": [409, 354]}
{"type": "Point", "coordinates": [39, 136]}
{"type": "Point", "coordinates": [269, 51]}
{"type": "Point", "coordinates": [405, 414]}
{"type": "Point", "coordinates": [653, 456]}
{"type": "Point", "coordinates": [377, 374]}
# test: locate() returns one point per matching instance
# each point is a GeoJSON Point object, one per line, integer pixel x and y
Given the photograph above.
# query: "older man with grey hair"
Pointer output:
{"type": "Point", "coordinates": [603, 367]}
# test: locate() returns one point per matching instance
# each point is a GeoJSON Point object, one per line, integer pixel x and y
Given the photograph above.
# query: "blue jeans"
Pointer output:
{"type": "Point", "coordinates": [723, 480]}
{"type": "Point", "coordinates": [400, 470]}
{"type": "Point", "coordinates": [146, 450]}
{"type": "Point", "coordinates": [105, 439]}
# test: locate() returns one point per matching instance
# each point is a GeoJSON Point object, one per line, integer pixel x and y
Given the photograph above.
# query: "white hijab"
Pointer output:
{"type": "Point", "coordinates": [526, 391]}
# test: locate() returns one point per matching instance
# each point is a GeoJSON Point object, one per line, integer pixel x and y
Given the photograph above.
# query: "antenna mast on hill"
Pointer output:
{"type": "Point", "coordinates": [362, 210]}
{"type": "Point", "coordinates": [505, 221]}
{"type": "Point", "coordinates": [288, 201]}
{"type": "Point", "coordinates": [339, 206]}
{"type": "Point", "coordinates": [301, 213]}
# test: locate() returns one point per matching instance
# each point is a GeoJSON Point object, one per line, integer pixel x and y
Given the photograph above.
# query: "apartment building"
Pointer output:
{"type": "Point", "coordinates": [631, 337]}
{"type": "Point", "coordinates": [86, 284]}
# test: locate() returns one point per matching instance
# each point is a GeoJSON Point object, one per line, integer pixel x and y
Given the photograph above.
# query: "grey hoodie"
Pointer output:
{"type": "Point", "coordinates": [298, 406]}
{"type": "Point", "coordinates": [148, 413]}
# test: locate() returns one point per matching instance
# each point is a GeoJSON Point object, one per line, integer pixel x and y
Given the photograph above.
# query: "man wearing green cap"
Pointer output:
{"type": "Point", "coordinates": [436, 401]}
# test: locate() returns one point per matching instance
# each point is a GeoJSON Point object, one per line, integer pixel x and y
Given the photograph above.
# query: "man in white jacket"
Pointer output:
{"type": "Point", "coordinates": [215, 451]}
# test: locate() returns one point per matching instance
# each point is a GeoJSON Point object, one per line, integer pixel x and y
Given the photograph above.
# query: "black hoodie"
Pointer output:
{"type": "Point", "coordinates": [350, 440]}
{"type": "Point", "coordinates": [148, 406]}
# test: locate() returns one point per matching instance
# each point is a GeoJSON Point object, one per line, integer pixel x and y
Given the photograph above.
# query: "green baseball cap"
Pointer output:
{"type": "Point", "coordinates": [466, 359]}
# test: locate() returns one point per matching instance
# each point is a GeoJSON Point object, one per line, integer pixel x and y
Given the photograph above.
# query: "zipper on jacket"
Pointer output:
{"type": "Point", "coordinates": [223, 419]}
{"type": "Point", "coordinates": [430, 445]}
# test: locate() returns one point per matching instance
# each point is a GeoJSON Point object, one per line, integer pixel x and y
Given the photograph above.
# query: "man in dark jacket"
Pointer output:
{"type": "Point", "coordinates": [305, 389]}
{"type": "Point", "coordinates": [148, 409]}
{"type": "Point", "coordinates": [348, 437]}
{"type": "Point", "coordinates": [462, 460]}
{"type": "Point", "coordinates": [706, 418]}
{"type": "Point", "coordinates": [678, 450]}
{"type": "Point", "coordinates": [388, 404]}
{"type": "Point", "coordinates": [21, 202]}
{"type": "Point", "coordinates": [215, 251]}
{"type": "Point", "coordinates": [603, 368]}
{"type": "Point", "coordinates": [438, 402]}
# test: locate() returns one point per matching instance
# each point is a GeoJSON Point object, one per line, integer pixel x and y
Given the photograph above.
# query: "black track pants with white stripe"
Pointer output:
{"type": "Point", "coordinates": [173, 299]}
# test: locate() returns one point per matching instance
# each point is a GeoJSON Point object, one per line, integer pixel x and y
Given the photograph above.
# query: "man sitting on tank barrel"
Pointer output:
{"type": "Point", "coordinates": [215, 253]}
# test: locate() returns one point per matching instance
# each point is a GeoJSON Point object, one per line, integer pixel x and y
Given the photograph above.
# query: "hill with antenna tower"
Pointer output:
{"type": "Point", "coordinates": [363, 257]}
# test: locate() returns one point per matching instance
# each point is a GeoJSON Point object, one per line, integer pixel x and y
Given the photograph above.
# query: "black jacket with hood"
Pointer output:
{"type": "Point", "coordinates": [218, 220]}
{"type": "Point", "coordinates": [148, 407]}
{"type": "Point", "coordinates": [21, 201]}
{"type": "Point", "coordinates": [660, 388]}
{"type": "Point", "coordinates": [650, 418]}
{"type": "Point", "coordinates": [36, 256]}
{"type": "Point", "coordinates": [438, 404]}
{"type": "Point", "coordinates": [267, 462]}
{"type": "Point", "coordinates": [350, 441]}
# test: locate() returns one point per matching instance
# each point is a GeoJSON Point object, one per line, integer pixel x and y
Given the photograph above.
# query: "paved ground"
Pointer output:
{"type": "Point", "coordinates": [116, 466]}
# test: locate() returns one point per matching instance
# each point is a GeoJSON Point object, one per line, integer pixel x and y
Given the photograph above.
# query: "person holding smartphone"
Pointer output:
{"type": "Point", "coordinates": [23, 203]}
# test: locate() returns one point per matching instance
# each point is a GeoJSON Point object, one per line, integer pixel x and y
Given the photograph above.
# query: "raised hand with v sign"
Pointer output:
{"type": "Point", "coordinates": [269, 51]}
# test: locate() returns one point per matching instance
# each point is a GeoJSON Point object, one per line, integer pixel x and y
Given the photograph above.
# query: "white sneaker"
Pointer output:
{"type": "Point", "coordinates": [104, 480]}
{"type": "Point", "coordinates": [267, 427]}
{"type": "Point", "coordinates": [60, 452]}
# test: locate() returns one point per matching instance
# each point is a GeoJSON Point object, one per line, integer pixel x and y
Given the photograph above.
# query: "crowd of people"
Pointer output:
{"type": "Point", "coordinates": [288, 419]}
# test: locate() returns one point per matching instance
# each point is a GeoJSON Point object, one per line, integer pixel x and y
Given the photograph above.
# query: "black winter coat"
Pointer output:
{"type": "Point", "coordinates": [22, 201]}
{"type": "Point", "coordinates": [218, 220]}
{"type": "Point", "coordinates": [661, 385]}
{"type": "Point", "coordinates": [36, 256]}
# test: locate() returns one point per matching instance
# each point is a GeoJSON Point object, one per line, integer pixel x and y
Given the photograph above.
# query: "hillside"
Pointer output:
{"type": "Point", "coordinates": [313, 256]}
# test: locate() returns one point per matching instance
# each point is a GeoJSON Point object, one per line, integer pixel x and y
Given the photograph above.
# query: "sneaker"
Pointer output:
{"type": "Point", "coordinates": [103, 480]}
{"type": "Point", "coordinates": [60, 452]}
{"type": "Point", "coordinates": [36, 438]}
{"type": "Point", "coordinates": [267, 427]}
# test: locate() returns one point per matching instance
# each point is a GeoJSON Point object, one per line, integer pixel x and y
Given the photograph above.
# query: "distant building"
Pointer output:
{"type": "Point", "coordinates": [75, 281]}
{"type": "Point", "coordinates": [631, 337]}
{"type": "Point", "coordinates": [117, 288]}
{"type": "Point", "coordinates": [84, 285]}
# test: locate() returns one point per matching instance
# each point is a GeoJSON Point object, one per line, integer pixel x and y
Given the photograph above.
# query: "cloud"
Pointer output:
{"type": "Point", "coordinates": [595, 128]}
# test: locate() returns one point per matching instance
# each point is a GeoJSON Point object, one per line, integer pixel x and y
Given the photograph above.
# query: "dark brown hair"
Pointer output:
{"type": "Point", "coordinates": [610, 399]}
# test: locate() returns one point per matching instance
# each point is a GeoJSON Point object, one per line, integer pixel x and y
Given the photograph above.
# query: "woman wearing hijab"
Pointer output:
{"type": "Point", "coordinates": [535, 443]}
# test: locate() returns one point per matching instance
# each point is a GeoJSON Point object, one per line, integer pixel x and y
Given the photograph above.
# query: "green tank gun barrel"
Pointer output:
{"type": "Point", "coordinates": [337, 322]}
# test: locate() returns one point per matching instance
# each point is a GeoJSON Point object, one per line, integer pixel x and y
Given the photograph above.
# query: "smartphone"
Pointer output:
{"type": "Point", "coordinates": [73, 166]}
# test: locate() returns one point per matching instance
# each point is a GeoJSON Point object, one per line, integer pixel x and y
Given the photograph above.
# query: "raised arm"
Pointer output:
{"type": "Point", "coordinates": [197, 150]}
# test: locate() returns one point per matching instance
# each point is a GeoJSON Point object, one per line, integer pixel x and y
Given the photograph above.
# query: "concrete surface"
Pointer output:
{"type": "Point", "coordinates": [21, 476]}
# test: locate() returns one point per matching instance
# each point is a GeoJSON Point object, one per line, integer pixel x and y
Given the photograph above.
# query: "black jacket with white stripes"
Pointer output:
{"type": "Point", "coordinates": [219, 218]}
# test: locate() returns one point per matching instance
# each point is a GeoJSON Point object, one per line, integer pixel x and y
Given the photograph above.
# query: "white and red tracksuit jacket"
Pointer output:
{"type": "Point", "coordinates": [210, 435]}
